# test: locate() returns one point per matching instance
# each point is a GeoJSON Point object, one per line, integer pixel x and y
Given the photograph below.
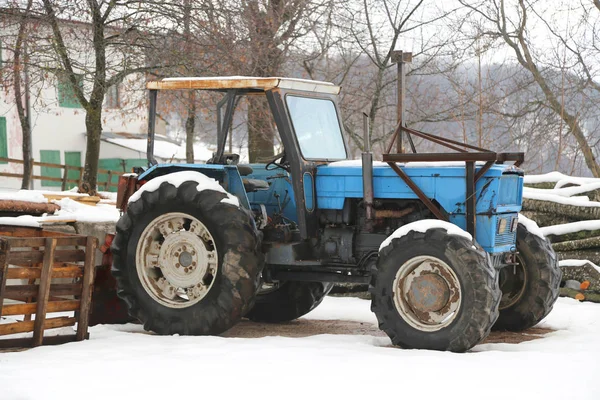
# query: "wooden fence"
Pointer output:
{"type": "Point", "coordinates": [65, 180]}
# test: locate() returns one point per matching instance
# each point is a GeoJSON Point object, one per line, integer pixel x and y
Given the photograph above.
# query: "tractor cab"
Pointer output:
{"type": "Point", "coordinates": [307, 117]}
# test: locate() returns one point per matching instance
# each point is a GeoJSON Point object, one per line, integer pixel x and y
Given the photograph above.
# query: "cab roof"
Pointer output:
{"type": "Point", "coordinates": [223, 83]}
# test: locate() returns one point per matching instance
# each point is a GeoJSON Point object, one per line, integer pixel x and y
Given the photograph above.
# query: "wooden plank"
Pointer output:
{"type": "Point", "coordinates": [28, 326]}
{"type": "Point", "coordinates": [30, 308]}
{"type": "Point", "coordinates": [19, 231]}
{"type": "Point", "coordinates": [37, 256]}
{"type": "Point", "coordinates": [88, 287]}
{"type": "Point", "coordinates": [81, 199]}
{"type": "Point", "coordinates": [21, 292]}
{"type": "Point", "coordinates": [44, 292]}
{"type": "Point", "coordinates": [40, 241]}
{"type": "Point", "coordinates": [4, 250]}
{"type": "Point", "coordinates": [73, 271]}
{"type": "Point", "coordinates": [26, 342]}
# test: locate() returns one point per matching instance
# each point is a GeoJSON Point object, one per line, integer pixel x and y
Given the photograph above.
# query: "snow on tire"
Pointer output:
{"type": "Point", "coordinates": [186, 261]}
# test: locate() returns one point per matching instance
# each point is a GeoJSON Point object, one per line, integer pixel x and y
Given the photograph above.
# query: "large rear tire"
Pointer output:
{"type": "Point", "coordinates": [530, 288]}
{"type": "Point", "coordinates": [186, 262]}
{"type": "Point", "coordinates": [288, 301]}
{"type": "Point", "coordinates": [435, 291]}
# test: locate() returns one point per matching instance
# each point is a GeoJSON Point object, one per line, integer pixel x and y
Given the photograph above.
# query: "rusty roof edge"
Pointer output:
{"type": "Point", "coordinates": [242, 82]}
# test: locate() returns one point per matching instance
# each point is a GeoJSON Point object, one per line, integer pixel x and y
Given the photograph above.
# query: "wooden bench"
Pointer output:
{"type": "Point", "coordinates": [59, 270]}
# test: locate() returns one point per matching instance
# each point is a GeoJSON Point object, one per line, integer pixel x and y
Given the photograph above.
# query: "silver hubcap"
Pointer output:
{"type": "Point", "coordinates": [427, 293]}
{"type": "Point", "coordinates": [176, 260]}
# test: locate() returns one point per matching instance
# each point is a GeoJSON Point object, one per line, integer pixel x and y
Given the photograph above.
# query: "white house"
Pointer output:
{"type": "Point", "coordinates": [58, 120]}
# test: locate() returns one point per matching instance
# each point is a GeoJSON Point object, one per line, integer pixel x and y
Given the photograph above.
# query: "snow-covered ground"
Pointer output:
{"type": "Point", "coordinates": [123, 362]}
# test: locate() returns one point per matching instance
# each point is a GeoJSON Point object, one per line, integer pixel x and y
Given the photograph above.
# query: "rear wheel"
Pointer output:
{"type": "Point", "coordinates": [184, 261]}
{"type": "Point", "coordinates": [434, 291]}
{"type": "Point", "coordinates": [529, 288]}
{"type": "Point", "coordinates": [287, 301]}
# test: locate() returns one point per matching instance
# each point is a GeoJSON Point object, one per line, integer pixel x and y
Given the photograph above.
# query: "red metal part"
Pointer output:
{"type": "Point", "coordinates": [127, 185]}
{"type": "Point", "coordinates": [107, 307]}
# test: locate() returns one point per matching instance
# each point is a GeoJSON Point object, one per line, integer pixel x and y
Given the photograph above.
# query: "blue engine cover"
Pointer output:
{"type": "Point", "coordinates": [499, 194]}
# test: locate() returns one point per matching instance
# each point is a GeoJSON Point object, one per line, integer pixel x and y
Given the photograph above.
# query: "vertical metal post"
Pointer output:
{"type": "Point", "coordinates": [151, 127]}
{"type": "Point", "coordinates": [470, 206]}
{"type": "Point", "coordinates": [401, 58]}
{"type": "Point", "coordinates": [367, 175]}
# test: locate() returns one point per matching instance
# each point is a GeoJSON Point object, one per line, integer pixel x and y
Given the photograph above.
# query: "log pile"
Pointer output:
{"type": "Point", "coordinates": [568, 211]}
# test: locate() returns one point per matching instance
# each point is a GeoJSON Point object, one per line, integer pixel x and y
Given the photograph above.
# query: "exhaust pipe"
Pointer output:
{"type": "Point", "coordinates": [367, 175]}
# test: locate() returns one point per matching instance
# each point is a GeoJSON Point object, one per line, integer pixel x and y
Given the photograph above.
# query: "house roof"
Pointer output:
{"type": "Point", "coordinates": [222, 83]}
{"type": "Point", "coordinates": [164, 147]}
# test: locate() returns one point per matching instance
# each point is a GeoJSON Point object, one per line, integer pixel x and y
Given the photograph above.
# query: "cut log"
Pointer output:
{"type": "Point", "coordinates": [573, 236]}
{"type": "Point", "coordinates": [541, 185]}
{"type": "Point", "coordinates": [571, 211]}
{"type": "Point", "coordinates": [581, 244]}
{"type": "Point", "coordinates": [581, 273]}
{"type": "Point", "coordinates": [590, 254]}
{"type": "Point", "coordinates": [27, 207]}
{"type": "Point", "coordinates": [588, 295]}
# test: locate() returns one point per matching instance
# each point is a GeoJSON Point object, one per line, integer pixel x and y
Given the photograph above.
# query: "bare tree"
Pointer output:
{"type": "Point", "coordinates": [120, 37]}
{"type": "Point", "coordinates": [510, 22]}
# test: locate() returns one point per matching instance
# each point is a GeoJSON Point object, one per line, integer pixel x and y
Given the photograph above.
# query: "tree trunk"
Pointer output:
{"type": "Point", "coordinates": [23, 111]}
{"type": "Point", "coordinates": [93, 125]}
{"type": "Point", "coordinates": [260, 130]}
{"type": "Point", "coordinates": [190, 125]}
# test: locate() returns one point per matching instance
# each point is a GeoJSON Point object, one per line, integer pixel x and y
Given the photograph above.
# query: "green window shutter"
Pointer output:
{"type": "Point", "coordinates": [3, 140]}
{"type": "Point", "coordinates": [73, 158]}
{"type": "Point", "coordinates": [52, 157]}
{"type": "Point", "coordinates": [66, 94]}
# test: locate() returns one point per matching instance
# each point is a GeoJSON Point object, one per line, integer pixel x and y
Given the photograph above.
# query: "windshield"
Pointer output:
{"type": "Point", "coordinates": [317, 128]}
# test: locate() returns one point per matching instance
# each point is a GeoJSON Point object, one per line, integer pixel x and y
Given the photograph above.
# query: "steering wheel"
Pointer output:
{"type": "Point", "coordinates": [272, 163]}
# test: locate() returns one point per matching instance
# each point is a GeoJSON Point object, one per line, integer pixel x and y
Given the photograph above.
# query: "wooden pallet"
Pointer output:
{"type": "Point", "coordinates": [41, 258]}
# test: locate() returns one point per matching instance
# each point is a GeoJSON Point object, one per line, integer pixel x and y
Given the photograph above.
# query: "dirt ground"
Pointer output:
{"type": "Point", "coordinates": [309, 327]}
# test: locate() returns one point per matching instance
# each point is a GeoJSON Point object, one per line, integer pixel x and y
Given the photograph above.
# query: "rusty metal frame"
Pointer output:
{"type": "Point", "coordinates": [464, 152]}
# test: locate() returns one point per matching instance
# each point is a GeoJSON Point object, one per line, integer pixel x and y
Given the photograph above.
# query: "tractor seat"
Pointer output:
{"type": "Point", "coordinates": [245, 169]}
{"type": "Point", "coordinates": [255, 185]}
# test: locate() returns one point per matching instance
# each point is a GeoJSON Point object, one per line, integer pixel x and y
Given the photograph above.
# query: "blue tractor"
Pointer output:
{"type": "Point", "coordinates": [437, 237]}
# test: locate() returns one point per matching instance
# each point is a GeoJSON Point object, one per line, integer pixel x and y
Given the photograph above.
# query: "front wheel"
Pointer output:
{"type": "Point", "coordinates": [435, 291]}
{"type": "Point", "coordinates": [529, 288]}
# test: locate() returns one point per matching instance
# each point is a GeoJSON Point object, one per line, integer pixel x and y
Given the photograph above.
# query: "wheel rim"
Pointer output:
{"type": "Point", "coordinates": [176, 260]}
{"type": "Point", "coordinates": [427, 293]}
{"type": "Point", "coordinates": [513, 281]}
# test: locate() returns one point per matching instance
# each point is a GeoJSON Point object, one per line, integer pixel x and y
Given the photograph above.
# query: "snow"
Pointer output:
{"type": "Point", "coordinates": [123, 362]}
{"type": "Point", "coordinates": [549, 195]}
{"type": "Point", "coordinates": [23, 195]}
{"type": "Point", "coordinates": [73, 210]}
{"type": "Point", "coordinates": [553, 176]}
{"type": "Point", "coordinates": [355, 163]}
{"type": "Point", "coordinates": [577, 263]}
{"type": "Point", "coordinates": [22, 220]}
{"type": "Point", "coordinates": [423, 226]}
{"type": "Point", "coordinates": [177, 178]}
{"type": "Point", "coordinates": [419, 164]}
{"type": "Point", "coordinates": [571, 227]}
{"type": "Point", "coordinates": [531, 226]}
